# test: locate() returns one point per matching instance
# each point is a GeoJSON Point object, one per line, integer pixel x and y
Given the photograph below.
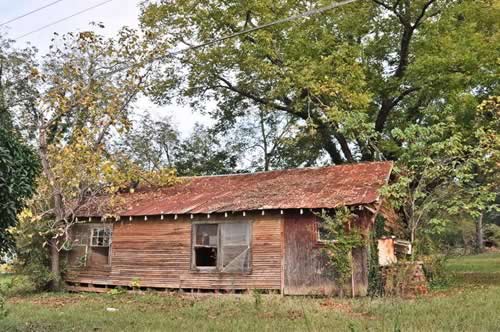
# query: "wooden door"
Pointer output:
{"type": "Point", "coordinates": [304, 271]}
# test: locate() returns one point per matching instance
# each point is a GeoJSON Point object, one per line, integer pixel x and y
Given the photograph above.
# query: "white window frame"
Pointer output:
{"type": "Point", "coordinates": [107, 232]}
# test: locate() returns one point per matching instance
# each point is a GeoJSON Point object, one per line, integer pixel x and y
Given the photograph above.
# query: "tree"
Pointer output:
{"type": "Point", "coordinates": [19, 165]}
{"type": "Point", "coordinates": [19, 168]}
{"type": "Point", "coordinates": [203, 153]}
{"type": "Point", "coordinates": [445, 171]}
{"type": "Point", "coordinates": [270, 140]}
{"type": "Point", "coordinates": [151, 144]}
{"type": "Point", "coordinates": [85, 95]}
{"type": "Point", "coordinates": [353, 74]}
{"type": "Point", "coordinates": [16, 90]}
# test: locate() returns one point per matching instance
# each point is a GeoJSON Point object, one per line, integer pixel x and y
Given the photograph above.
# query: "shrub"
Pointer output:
{"type": "Point", "coordinates": [16, 285]}
{"type": "Point", "coordinates": [492, 235]}
{"type": "Point", "coordinates": [435, 270]}
{"type": "Point", "coordinates": [3, 310]}
{"type": "Point", "coordinates": [32, 257]}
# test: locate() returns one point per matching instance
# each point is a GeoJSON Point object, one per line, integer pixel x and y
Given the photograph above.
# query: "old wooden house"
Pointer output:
{"type": "Point", "coordinates": [227, 233]}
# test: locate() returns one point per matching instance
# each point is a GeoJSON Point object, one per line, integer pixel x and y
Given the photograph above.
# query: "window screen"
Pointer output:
{"type": "Point", "coordinates": [235, 247]}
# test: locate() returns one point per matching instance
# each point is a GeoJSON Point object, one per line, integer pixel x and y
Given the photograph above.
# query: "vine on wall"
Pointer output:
{"type": "Point", "coordinates": [339, 241]}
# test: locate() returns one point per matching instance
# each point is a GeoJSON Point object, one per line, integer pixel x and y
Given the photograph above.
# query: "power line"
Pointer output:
{"type": "Point", "coordinates": [63, 19]}
{"type": "Point", "coordinates": [308, 13]}
{"type": "Point", "coordinates": [29, 13]}
{"type": "Point", "coordinates": [267, 25]}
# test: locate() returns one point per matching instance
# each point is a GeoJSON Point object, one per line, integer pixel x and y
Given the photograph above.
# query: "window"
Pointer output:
{"type": "Point", "coordinates": [100, 243]}
{"type": "Point", "coordinates": [205, 246]}
{"type": "Point", "coordinates": [101, 237]}
{"type": "Point", "coordinates": [222, 247]}
{"type": "Point", "coordinates": [322, 235]}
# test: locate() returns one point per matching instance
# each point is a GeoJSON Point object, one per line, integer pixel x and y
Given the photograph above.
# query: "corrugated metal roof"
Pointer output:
{"type": "Point", "coordinates": [324, 187]}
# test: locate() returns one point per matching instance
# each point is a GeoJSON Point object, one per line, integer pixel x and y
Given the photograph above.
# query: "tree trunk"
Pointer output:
{"type": "Point", "coordinates": [479, 234]}
{"type": "Point", "coordinates": [55, 267]}
{"type": "Point", "coordinates": [58, 207]}
{"type": "Point", "coordinates": [264, 140]}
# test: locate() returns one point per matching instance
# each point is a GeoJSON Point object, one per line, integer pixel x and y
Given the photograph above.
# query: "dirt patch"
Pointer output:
{"type": "Point", "coordinates": [345, 308]}
{"type": "Point", "coordinates": [52, 301]}
{"type": "Point", "coordinates": [287, 315]}
{"type": "Point", "coordinates": [331, 304]}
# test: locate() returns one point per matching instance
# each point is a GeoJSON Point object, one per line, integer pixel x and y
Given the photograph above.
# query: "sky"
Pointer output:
{"type": "Point", "coordinates": [113, 15]}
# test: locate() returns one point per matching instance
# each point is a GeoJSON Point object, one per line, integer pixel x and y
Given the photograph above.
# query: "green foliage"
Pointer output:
{"type": "Point", "coordinates": [257, 296]}
{"type": "Point", "coordinates": [32, 258]}
{"type": "Point", "coordinates": [340, 240]}
{"type": "Point", "coordinates": [135, 283]}
{"type": "Point", "coordinates": [3, 310]}
{"type": "Point", "coordinates": [436, 272]}
{"type": "Point", "coordinates": [352, 75]}
{"type": "Point", "coordinates": [492, 234]}
{"type": "Point", "coordinates": [117, 291]}
{"type": "Point", "coordinates": [19, 167]}
{"type": "Point", "coordinates": [459, 236]}
{"type": "Point", "coordinates": [151, 144]}
{"type": "Point", "coordinates": [443, 172]}
{"type": "Point", "coordinates": [203, 153]}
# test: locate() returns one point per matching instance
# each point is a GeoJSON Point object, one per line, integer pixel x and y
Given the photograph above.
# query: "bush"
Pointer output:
{"type": "Point", "coordinates": [492, 235]}
{"type": "Point", "coordinates": [435, 271]}
{"type": "Point", "coordinates": [32, 256]}
{"type": "Point", "coordinates": [3, 310]}
{"type": "Point", "coordinates": [16, 285]}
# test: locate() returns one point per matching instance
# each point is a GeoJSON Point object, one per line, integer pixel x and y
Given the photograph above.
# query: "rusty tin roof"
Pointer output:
{"type": "Point", "coordinates": [323, 187]}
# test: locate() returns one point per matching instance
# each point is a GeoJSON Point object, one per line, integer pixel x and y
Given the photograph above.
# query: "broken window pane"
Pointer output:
{"type": "Point", "coordinates": [206, 256]}
{"type": "Point", "coordinates": [205, 246]}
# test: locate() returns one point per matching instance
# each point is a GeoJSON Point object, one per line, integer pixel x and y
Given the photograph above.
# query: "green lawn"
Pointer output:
{"type": "Point", "coordinates": [486, 263]}
{"type": "Point", "coordinates": [463, 307]}
{"type": "Point", "coordinates": [478, 269]}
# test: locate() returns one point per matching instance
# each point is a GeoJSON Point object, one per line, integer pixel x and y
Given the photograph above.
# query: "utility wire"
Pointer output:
{"type": "Point", "coordinates": [63, 19]}
{"type": "Point", "coordinates": [308, 13]}
{"type": "Point", "coordinates": [267, 25]}
{"type": "Point", "coordinates": [30, 12]}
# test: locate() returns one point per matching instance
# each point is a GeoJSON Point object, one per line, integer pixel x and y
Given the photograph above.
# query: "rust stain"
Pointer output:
{"type": "Point", "coordinates": [324, 187]}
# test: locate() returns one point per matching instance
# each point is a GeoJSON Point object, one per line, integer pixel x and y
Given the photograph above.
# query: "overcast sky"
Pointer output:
{"type": "Point", "coordinates": [113, 14]}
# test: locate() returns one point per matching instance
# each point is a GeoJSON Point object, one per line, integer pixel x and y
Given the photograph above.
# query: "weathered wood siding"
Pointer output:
{"type": "Point", "coordinates": [305, 271]}
{"type": "Point", "coordinates": [157, 253]}
{"type": "Point", "coordinates": [97, 267]}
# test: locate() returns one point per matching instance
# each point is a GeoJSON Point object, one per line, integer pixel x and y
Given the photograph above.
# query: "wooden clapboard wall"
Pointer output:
{"type": "Point", "coordinates": [304, 265]}
{"type": "Point", "coordinates": [157, 253]}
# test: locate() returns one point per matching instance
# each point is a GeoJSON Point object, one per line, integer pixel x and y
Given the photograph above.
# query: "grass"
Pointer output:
{"type": "Point", "coordinates": [466, 306]}
{"type": "Point", "coordinates": [477, 269]}
{"type": "Point", "coordinates": [485, 263]}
